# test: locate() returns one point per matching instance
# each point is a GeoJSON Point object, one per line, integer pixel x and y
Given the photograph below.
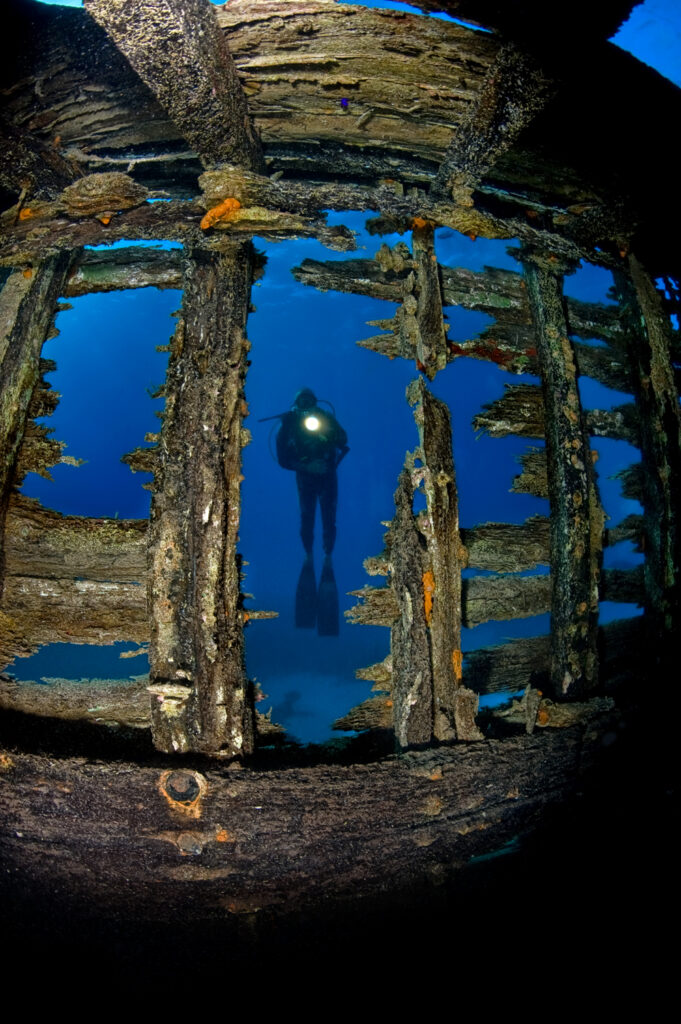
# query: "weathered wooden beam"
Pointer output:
{"type": "Point", "coordinates": [521, 411]}
{"type": "Point", "coordinates": [35, 611]}
{"type": "Point", "coordinates": [45, 544]}
{"type": "Point", "coordinates": [608, 366]}
{"type": "Point", "coordinates": [508, 667]}
{"type": "Point", "coordinates": [514, 90]}
{"type": "Point", "coordinates": [533, 478]}
{"type": "Point", "coordinates": [413, 680]}
{"type": "Point", "coordinates": [657, 480]}
{"type": "Point", "coordinates": [576, 515]}
{"type": "Point", "coordinates": [417, 331]}
{"type": "Point", "coordinates": [454, 706]}
{"type": "Point", "coordinates": [378, 607]}
{"type": "Point", "coordinates": [113, 270]}
{"type": "Point", "coordinates": [487, 598]}
{"type": "Point", "coordinates": [373, 713]}
{"type": "Point", "coordinates": [624, 585]}
{"type": "Point", "coordinates": [201, 697]}
{"type": "Point", "coordinates": [27, 308]}
{"type": "Point", "coordinates": [506, 547]}
{"type": "Point", "coordinates": [177, 49]}
{"type": "Point", "coordinates": [183, 843]}
{"type": "Point", "coordinates": [41, 236]}
{"type": "Point", "coordinates": [28, 166]}
{"type": "Point", "coordinates": [298, 62]}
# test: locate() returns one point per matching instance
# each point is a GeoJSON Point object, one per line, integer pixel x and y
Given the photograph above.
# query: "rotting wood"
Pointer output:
{"type": "Point", "coordinates": [606, 365]}
{"type": "Point", "coordinates": [48, 545]}
{"type": "Point", "coordinates": [379, 607]}
{"type": "Point", "coordinates": [36, 611]}
{"type": "Point", "coordinates": [177, 49]}
{"type": "Point", "coordinates": [413, 697]}
{"type": "Point", "coordinates": [508, 667]}
{"type": "Point", "coordinates": [298, 61]}
{"type": "Point", "coordinates": [108, 271]}
{"type": "Point", "coordinates": [624, 585]}
{"type": "Point", "coordinates": [656, 482]}
{"type": "Point", "coordinates": [29, 166]}
{"type": "Point", "coordinates": [533, 478]}
{"type": "Point", "coordinates": [506, 547]}
{"type": "Point", "coordinates": [454, 706]}
{"type": "Point", "coordinates": [514, 90]}
{"type": "Point", "coordinates": [577, 518]}
{"type": "Point", "coordinates": [418, 330]}
{"type": "Point", "coordinates": [38, 237]}
{"type": "Point", "coordinates": [436, 810]}
{"type": "Point", "coordinates": [373, 713]}
{"type": "Point", "coordinates": [521, 411]}
{"type": "Point", "coordinates": [487, 598]}
{"type": "Point", "coordinates": [27, 308]}
{"type": "Point", "coordinates": [201, 697]}
{"type": "Point", "coordinates": [431, 341]}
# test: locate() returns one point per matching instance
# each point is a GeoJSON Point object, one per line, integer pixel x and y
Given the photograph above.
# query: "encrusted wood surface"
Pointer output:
{"type": "Point", "coordinates": [50, 230]}
{"type": "Point", "coordinates": [454, 706]}
{"type": "Point", "coordinates": [413, 681]}
{"type": "Point", "coordinates": [43, 543]}
{"type": "Point", "coordinates": [153, 842]}
{"type": "Point", "coordinates": [201, 698]}
{"type": "Point", "coordinates": [576, 515]}
{"type": "Point", "coordinates": [27, 308]}
{"type": "Point", "coordinates": [656, 481]}
{"type": "Point", "coordinates": [521, 411]}
{"type": "Point", "coordinates": [407, 81]}
{"type": "Point", "coordinates": [506, 547]}
{"type": "Point", "coordinates": [112, 270]}
{"type": "Point", "coordinates": [34, 612]}
{"type": "Point", "coordinates": [533, 478]}
{"type": "Point", "coordinates": [178, 50]}
{"type": "Point", "coordinates": [511, 94]}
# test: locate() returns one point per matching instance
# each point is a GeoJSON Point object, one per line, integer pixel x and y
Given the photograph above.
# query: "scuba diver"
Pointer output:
{"type": "Point", "coordinates": [312, 443]}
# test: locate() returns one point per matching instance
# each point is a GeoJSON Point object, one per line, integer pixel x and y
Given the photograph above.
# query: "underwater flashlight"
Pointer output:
{"type": "Point", "coordinates": [311, 423]}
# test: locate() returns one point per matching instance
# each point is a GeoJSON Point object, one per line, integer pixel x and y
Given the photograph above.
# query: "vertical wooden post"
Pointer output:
{"type": "Point", "coordinates": [430, 702]}
{"type": "Point", "coordinates": [431, 335]}
{"type": "Point", "coordinates": [27, 308]}
{"type": "Point", "coordinates": [412, 676]}
{"type": "Point", "coordinates": [454, 707]}
{"type": "Point", "coordinates": [576, 515]}
{"type": "Point", "coordinates": [648, 346]}
{"type": "Point", "coordinates": [200, 695]}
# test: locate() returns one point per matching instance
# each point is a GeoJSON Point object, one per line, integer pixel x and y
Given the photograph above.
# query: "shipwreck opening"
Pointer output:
{"type": "Point", "coordinates": [295, 109]}
{"type": "Point", "coordinates": [304, 337]}
{"type": "Point", "coordinates": [109, 376]}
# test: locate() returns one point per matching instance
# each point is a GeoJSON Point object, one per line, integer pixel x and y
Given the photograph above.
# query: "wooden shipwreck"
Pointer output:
{"type": "Point", "coordinates": [254, 118]}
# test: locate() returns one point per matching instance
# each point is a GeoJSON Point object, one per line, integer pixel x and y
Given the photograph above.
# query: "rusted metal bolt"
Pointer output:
{"type": "Point", "coordinates": [182, 786]}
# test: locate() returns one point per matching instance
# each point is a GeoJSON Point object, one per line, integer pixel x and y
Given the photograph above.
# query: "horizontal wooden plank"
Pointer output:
{"type": "Point", "coordinates": [133, 267]}
{"type": "Point", "coordinates": [626, 585]}
{"type": "Point", "coordinates": [45, 544]}
{"type": "Point", "coordinates": [506, 547]}
{"type": "Point", "coordinates": [520, 412]}
{"type": "Point", "coordinates": [508, 667]}
{"type": "Point", "coordinates": [488, 598]}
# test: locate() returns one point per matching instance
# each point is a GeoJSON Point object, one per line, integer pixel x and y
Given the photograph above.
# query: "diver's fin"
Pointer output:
{"type": "Point", "coordinates": [306, 596]}
{"type": "Point", "coordinates": [327, 601]}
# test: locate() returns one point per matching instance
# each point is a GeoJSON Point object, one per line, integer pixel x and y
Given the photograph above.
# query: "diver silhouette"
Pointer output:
{"type": "Point", "coordinates": [311, 442]}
